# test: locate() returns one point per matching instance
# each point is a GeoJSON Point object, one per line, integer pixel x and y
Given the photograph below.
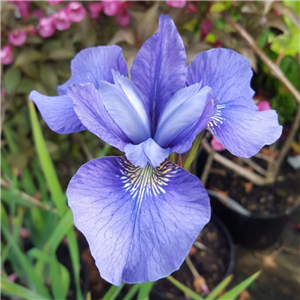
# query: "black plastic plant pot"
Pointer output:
{"type": "Point", "coordinates": [164, 290]}
{"type": "Point", "coordinates": [252, 231]}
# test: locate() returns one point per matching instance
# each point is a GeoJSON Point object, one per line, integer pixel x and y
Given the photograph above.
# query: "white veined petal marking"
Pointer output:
{"type": "Point", "coordinates": [150, 181]}
{"type": "Point", "coordinates": [216, 119]}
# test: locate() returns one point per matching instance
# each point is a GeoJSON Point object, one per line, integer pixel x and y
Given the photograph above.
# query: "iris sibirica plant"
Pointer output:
{"type": "Point", "coordinates": [140, 212]}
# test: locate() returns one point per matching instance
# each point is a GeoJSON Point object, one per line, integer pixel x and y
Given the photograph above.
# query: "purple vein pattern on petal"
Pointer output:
{"type": "Point", "coordinates": [245, 131]}
{"type": "Point", "coordinates": [124, 104]}
{"type": "Point", "coordinates": [159, 69]}
{"type": "Point", "coordinates": [95, 64]}
{"type": "Point", "coordinates": [146, 152]}
{"type": "Point", "coordinates": [181, 111]}
{"type": "Point", "coordinates": [227, 73]}
{"type": "Point", "coordinates": [58, 112]}
{"type": "Point", "coordinates": [139, 223]}
{"type": "Point", "coordinates": [89, 108]}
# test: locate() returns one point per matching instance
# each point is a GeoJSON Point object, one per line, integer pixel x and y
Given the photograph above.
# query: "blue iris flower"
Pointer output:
{"type": "Point", "coordinates": [141, 213]}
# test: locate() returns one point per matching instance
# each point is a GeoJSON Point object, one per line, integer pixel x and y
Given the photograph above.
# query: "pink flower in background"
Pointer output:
{"type": "Point", "coordinates": [6, 55]}
{"type": "Point", "coordinates": [123, 17]}
{"type": "Point", "coordinates": [95, 9]}
{"type": "Point", "coordinates": [46, 27]}
{"type": "Point", "coordinates": [264, 105]}
{"type": "Point", "coordinates": [38, 13]}
{"type": "Point", "coordinates": [191, 8]}
{"type": "Point", "coordinates": [216, 144]}
{"type": "Point", "coordinates": [12, 277]}
{"type": "Point", "coordinates": [61, 19]}
{"type": "Point", "coordinates": [54, 2]}
{"type": "Point", "coordinates": [180, 3]}
{"type": "Point", "coordinates": [17, 37]}
{"type": "Point", "coordinates": [206, 27]}
{"type": "Point", "coordinates": [111, 8]}
{"type": "Point", "coordinates": [24, 233]}
{"type": "Point", "coordinates": [23, 8]}
{"type": "Point", "coordinates": [76, 11]}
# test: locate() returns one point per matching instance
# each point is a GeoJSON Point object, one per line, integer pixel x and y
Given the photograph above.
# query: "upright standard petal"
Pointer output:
{"type": "Point", "coordinates": [159, 69]}
{"type": "Point", "coordinates": [95, 64]}
{"type": "Point", "coordinates": [146, 152]}
{"type": "Point", "coordinates": [90, 110]}
{"type": "Point", "coordinates": [57, 112]}
{"type": "Point", "coordinates": [124, 104]}
{"type": "Point", "coordinates": [245, 131]}
{"type": "Point", "coordinates": [181, 111]}
{"type": "Point", "coordinates": [227, 73]}
{"type": "Point", "coordinates": [140, 223]}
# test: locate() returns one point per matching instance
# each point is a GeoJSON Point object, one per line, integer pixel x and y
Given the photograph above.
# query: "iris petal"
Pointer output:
{"type": "Point", "coordinates": [89, 65]}
{"type": "Point", "coordinates": [227, 73]}
{"type": "Point", "coordinates": [146, 152]}
{"type": "Point", "coordinates": [124, 104]}
{"type": "Point", "coordinates": [181, 111]}
{"type": "Point", "coordinates": [159, 69]}
{"type": "Point", "coordinates": [95, 64]}
{"type": "Point", "coordinates": [58, 112]}
{"type": "Point", "coordinates": [245, 131]}
{"type": "Point", "coordinates": [140, 223]}
{"type": "Point", "coordinates": [89, 108]}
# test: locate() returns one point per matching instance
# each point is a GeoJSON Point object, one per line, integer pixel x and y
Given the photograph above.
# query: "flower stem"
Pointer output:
{"type": "Point", "coordinates": [193, 151]}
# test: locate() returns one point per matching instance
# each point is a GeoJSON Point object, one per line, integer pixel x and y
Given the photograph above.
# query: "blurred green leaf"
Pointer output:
{"type": "Point", "coordinates": [113, 292]}
{"type": "Point", "coordinates": [15, 290]}
{"type": "Point", "coordinates": [26, 86]}
{"type": "Point", "coordinates": [234, 292]}
{"type": "Point", "coordinates": [45, 160]}
{"type": "Point", "coordinates": [131, 293]}
{"type": "Point", "coordinates": [184, 288]}
{"type": "Point", "coordinates": [26, 265]}
{"type": "Point", "coordinates": [49, 78]}
{"type": "Point", "coordinates": [61, 53]}
{"type": "Point", "coordinates": [144, 290]}
{"type": "Point", "coordinates": [286, 44]}
{"type": "Point", "coordinates": [219, 288]}
{"type": "Point", "coordinates": [12, 78]}
{"type": "Point", "coordinates": [30, 69]}
{"type": "Point", "coordinates": [28, 56]}
{"type": "Point", "coordinates": [60, 279]}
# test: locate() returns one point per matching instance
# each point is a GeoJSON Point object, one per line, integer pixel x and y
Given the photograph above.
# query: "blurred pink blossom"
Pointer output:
{"type": "Point", "coordinates": [216, 144]}
{"type": "Point", "coordinates": [46, 27]}
{"type": "Point", "coordinates": [12, 277]}
{"type": "Point", "coordinates": [180, 3]}
{"type": "Point", "coordinates": [17, 37]}
{"type": "Point", "coordinates": [95, 9]}
{"type": "Point", "coordinates": [111, 8]}
{"type": "Point", "coordinates": [76, 11]}
{"type": "Point", "coordinates": [61, 19]}
{"type": "Point", "coordinates": [6, 55]}
{"type": "Point", "coordinates": [23, 8]}
{"type": "Point", "coordinates": [206, 27]}
{"type": "Point", "coordinates": [123, 17]}
{"type": "Point", "coordinates": [54, 2]}
{"type": "Point", "coordinates": [191, 8]}
{"type": "Point", "coordinates": [24, 233]}
{"type": "Point", "coordinates": [264, 105]}
{"type": "Point", "coordinates": [38, 13]}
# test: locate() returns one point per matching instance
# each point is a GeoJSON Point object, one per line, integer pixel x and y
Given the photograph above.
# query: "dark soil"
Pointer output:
{"type": "Point", "coordinates": [267, 200]}
{"type": "Point", "coordinates": [212, 264]}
